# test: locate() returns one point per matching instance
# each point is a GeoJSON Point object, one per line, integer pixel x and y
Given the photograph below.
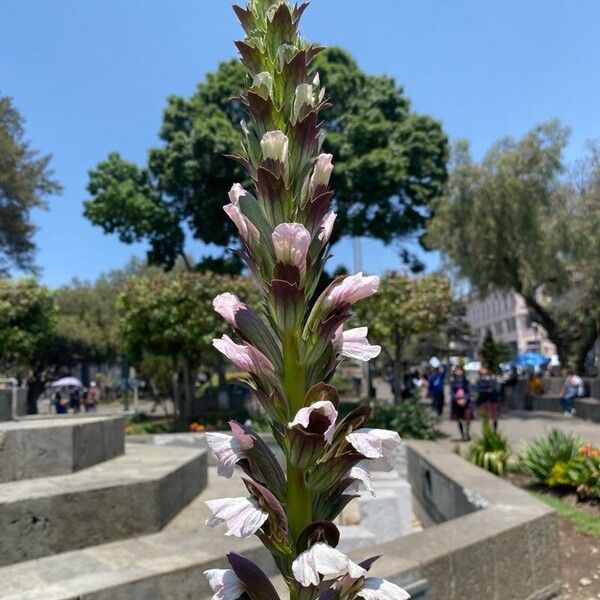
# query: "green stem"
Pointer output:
{"type": "Point", "coordinates": [299, 497]}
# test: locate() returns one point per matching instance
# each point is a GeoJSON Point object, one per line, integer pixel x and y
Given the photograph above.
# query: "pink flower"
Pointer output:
{"type": "Point", "coordinates": [245, 227]}
{"type": "Point", "coordinates": [291, 241]}
{"type": "Point", "coordinates": [353, 288]}
{"type": "Point", "coordinates": [375, 443]}
{"type": "Point", "coordinates": [375, 588]}
{"type": "Point", "coordinates": [360, 475]}
{"type": "Point", "coordinates": [227, 450]}
{"type": "Point", "coordinates": [321, 559]}
{"type": "Point", "coordinates": [235, 193]}
{"type": "Point", "coordinates": [322, 172]}
{"type": "Point", "coordinates": [326, 228]}
{"type": "Point", "coordinates": [227, 305]}
{"type": "Point", "coordinates": [242, 515]}
{"type": "Point", "coordinates": [324, 408]}
{"type": "Point", "coordinates": [274, 145]}
{"type": "Point", "coordinates": [355, 345]}
{"type": "Point", "coordinates": [225, 584]}
{"type": "Point", "coordinates": [244, 356]}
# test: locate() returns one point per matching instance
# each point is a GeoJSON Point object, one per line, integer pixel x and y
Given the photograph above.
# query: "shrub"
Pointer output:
{"type": "Point", "coordinates": [411, 420]}
{"type": "Point", "coordinates": [540, 457]}
{"type": "Point", "coordinates": [490, 451]}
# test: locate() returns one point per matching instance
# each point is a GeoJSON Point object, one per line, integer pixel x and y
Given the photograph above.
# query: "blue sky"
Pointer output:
{"type": "Point", "coordinates": [92, 76]}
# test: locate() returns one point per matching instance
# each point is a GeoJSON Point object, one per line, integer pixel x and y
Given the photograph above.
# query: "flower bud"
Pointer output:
{"type": "Point", "coordinates": [274, 146]}
{"type": "Point", "coordinates": [225, 583]}
{"type": "Point", "coordinates": [352, 289]}
{"type": "Point", "coordinates": [235, 193]}
{"type": "Point", "coordinates": [326, 228]}
{"type": "Point", "coordinates": [265, 80]}
{"type": "Point", "coordinates": [244, 356]}
{"type": "Point", "coordinates": [245, 227]}
{"type": "Point", "coordinates": [291, 242]}
{"type": "Point", "coordinates": [321, 172]}
{"type": "Point", "coordinates": [227, 305]}
{"type": "Point", "coordinates": [304, 96]}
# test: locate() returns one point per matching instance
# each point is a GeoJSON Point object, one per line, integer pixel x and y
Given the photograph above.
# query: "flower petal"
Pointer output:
{"type": "Point", "coordinates": [375, 588]}
{"type": "Point", "coordinates": [360, 475]}
{"type": "Point", "coordinates": [227, 450]}
{"type": "Point", "coordinates": [375, 443]}
{"type": "Point", "coordinates": [242, 515]}
{"type": "Point", "coordinates": [355, 345]}
{"type": "Point", "coordinates": [225, 584]}
{"type": "Point", "coordinates": [321, 559]}
{"type": "Point", "coordinates": [323, 407]}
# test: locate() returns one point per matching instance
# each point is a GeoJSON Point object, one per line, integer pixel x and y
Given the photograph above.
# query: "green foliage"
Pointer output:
{"type": "Point", "coordinates": [27, 320]}
{"type": "Point", "coordinates": [172, 314]}
{"type": "Point", "coordinates": [583, 521]}
{"type": "Point", "coordinates": [412, 420]}
{"type": "Point", "coordinates": [540, 457]}
{"type": "Point", "coordinates": [371, 129]}
{"type": "Point", "coordinates": [492, 352]}
{"type": "Point", "coordinates": [490, 451]}
{"type": "Point", "coordinates": [511, 222]}
{"type": "Point", "coordinates": [25, 181]}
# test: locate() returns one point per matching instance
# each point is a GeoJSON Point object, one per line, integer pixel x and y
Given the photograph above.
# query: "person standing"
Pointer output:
{"type": "Point", "coordinates": [59, 405]}
{"type": "Point", "coordinates": [436, 388]}
{"type": "Point", "coordinates": [488, 398]}
{"type": "Point", "coordinates": [461, 407]}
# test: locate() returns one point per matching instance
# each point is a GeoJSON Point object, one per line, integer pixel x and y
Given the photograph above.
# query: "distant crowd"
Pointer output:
{"type": "Point", "coordinates": [74, 398]}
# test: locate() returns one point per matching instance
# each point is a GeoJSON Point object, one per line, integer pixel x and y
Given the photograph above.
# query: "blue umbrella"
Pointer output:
{"type": "Point", "coordinates": [531, 359]}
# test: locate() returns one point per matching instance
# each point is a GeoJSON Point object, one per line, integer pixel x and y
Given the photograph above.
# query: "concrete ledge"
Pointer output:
{"type": "Point", "coordinates": [493, 540]}
{"type": "Point", "coordinates": [6, 403]}
{"type": "Point", "coordinates": [135, 494]}
{"type": "Point", "coordinates": [32, 448]}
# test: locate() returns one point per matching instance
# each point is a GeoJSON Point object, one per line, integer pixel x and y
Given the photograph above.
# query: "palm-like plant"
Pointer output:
{"type": "Point", "coordinates": [540, 456]}
{"type": "Point", "coordinates": [490, 451]}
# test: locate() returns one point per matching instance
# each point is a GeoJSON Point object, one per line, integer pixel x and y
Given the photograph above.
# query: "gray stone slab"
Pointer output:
{"type": "Point", "coordinates": [131, 495]}
{"type": "Point", "coordinates": [31, 448]}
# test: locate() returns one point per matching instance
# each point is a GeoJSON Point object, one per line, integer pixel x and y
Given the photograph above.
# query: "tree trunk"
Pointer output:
{"type": "Point", "coordinates": [397, 369]}
{"type": "Point", "coordinates": [188, 390]}
{"type": "Point", "coordinates": [540, 314]}
{"type": "Point", "coordinates": [585, 344]}
{"type": "Point", "coordinates": [175, 387]}
{"type": "Point", "coordinates": [35, 387]}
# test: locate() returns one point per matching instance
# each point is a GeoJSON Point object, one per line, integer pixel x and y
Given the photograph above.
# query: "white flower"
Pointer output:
{"type": "Point", "coordinates": [360, 475]}
{"type": "Point", "coordinates": [225, 584]}
{"type": "Point", "coordinates": [325, 408]}
{"type": "Point", "coordinates": [321, 172]}
{"type": "Point", "coordinates": [352, 289]}
{"type": "Point", "coordinates": [242, 515]}
{"type": "Point", "coordinates": [375, 588]}
{"type": "Point", "coordinates": [235, 193]}
{"type": "Point", "coordinates": [227, 450]}
{"type": "Point", "coordinates": [375, 443]}
{"type": "Point", "coordinates": [227, 305]}
{"type": "Point", "coordinates": [355, 345]}
{"type": "Point", "coordinates": [291, 242]}
{"type": "Point", "coordinates": [265, 79]}
{"type": "Point", "coordinates": [274, 145]}
{"type": "Point", "coordinates": [322, 559]}
{"type": "Point", "coordinates": [304, 95]}
{"type": "Point", "coordinates": [326, 228]}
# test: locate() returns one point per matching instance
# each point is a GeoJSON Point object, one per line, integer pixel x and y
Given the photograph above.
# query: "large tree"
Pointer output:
{"type": "Point", "coordinates": [25, 182]}
{"type": "Point", "coordinates": [404, 307]}
{"type": "Point", "coordinates": [506, 223]}
{"type": "Point", "coordinates": [172, 315]}
{"type": "Point", "coordinates": [390, 164]}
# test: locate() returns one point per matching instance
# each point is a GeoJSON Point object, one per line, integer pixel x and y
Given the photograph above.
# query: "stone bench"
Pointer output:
{"type": "Point", "coordinates": [32, 448]}
{"type": "Point", "coordinates": [135, 494]}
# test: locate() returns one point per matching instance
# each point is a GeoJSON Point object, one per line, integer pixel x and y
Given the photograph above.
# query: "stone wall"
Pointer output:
{"type": "Point", "coordinates": [492, 540]}
{"type": "Point", "coordinates": [6, 403]}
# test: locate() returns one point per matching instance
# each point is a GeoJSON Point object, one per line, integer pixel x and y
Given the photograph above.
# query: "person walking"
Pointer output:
{"type": "Point", "coordinates": [488, 398]}
{"type": "Point", "coordinates": [436, 387]}
{"type": "Point", "coordinates": [461, 407]}
{"type": "Point", "coordinates": [571, 387]}
{"type": "Point", "coordinates": [59, 405]}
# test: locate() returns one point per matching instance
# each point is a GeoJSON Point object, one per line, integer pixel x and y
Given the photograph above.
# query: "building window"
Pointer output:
{"type": "Point", "coordinates": [499, 328]}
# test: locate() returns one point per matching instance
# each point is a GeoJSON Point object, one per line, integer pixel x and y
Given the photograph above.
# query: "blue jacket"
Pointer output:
{"type": "Point", "coordinates": [436, 383]}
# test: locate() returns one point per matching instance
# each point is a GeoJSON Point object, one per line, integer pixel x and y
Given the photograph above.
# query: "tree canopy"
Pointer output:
{"type": "Point", "coordinates": [27, 320]}
{"type": "Point", "coordinates": [390, 164]}
{"type": "Point", "coordinates": [513, 222]}
{"type": "Point", "coordinates": [25, 182]}
{"type": "Point", "coordinates": [403, 307]}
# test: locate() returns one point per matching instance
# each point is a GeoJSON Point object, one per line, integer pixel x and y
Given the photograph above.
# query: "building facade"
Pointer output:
{"type": "Point", "coordinates": [506, 315]}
